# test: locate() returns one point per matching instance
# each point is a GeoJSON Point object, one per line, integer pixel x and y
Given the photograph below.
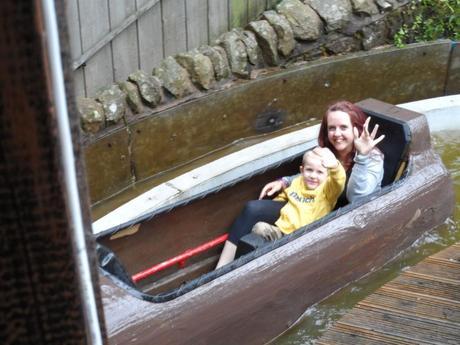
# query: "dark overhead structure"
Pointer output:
{"type": "Point", "coordinates": [40, 287]}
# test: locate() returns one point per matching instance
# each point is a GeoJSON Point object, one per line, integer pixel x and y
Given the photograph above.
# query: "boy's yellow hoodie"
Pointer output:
{"type": "Point", "coordinates": [304, 206]}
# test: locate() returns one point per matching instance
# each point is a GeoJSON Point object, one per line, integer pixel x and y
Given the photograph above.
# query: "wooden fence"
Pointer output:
{"type": "Point", "coordinates": [111, 38]}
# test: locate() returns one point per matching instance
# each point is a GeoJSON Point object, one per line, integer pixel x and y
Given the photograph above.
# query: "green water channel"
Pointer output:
{"type": "Point", "coordinates": [317, 318]}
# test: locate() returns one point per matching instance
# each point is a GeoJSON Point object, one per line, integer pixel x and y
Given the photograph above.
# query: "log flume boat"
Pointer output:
{"type": "Point", "coordinates": [157, 253]}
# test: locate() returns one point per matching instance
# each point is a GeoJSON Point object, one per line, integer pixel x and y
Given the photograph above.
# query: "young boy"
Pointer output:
{"type": "Point", "coordinates": [310, 196]}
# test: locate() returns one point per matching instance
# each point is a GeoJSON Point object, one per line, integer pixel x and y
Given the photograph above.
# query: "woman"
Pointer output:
{"type": "Point", "coordinates": [344, 130]}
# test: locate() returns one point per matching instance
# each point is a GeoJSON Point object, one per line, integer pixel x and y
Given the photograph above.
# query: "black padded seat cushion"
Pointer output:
{"type": "Point", "coordinates": [394, 146]}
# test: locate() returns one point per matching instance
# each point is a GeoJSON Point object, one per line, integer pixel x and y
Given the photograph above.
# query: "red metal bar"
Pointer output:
{"type": "Point", "coordinates": [179, 259]}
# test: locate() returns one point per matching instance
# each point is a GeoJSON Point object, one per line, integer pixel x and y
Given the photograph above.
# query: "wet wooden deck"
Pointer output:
{"type": "Point", "coordinates": [421, 306]}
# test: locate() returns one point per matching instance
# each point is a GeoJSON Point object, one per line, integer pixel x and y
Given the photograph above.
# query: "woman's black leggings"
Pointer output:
{"type": "Point", "coordinates": [254, 211]}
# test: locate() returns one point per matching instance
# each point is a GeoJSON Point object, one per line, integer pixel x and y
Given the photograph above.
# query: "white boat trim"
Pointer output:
{"type": "Point", "coordinates": [439, 111]}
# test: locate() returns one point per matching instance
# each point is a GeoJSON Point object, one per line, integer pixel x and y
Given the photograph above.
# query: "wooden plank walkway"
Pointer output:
{"type": "Point", "coordinates": [421, 306]}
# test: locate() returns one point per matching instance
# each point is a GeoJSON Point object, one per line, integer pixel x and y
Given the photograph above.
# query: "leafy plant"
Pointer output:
{"type": "Point", "coordinates": [431, 20]}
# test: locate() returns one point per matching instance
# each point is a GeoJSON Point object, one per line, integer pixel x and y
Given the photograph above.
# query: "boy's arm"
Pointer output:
{"type": "Point", "coordinates": [335, 182]}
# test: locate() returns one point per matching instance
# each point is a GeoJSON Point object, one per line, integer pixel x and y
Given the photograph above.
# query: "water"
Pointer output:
{"type": "Point", "coordinates": [318, 317]}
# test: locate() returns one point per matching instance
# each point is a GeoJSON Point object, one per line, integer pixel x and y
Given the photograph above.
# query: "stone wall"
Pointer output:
{"type": "Point", "coordinates": [295, 32]}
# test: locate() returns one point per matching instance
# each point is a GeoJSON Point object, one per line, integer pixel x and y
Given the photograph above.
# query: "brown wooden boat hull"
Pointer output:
{"type": "Point", "coordinates": [260, 299]}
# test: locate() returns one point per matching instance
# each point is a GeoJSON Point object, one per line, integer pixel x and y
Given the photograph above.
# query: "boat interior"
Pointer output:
{"type": "Point", "coordinates": [170, 253]}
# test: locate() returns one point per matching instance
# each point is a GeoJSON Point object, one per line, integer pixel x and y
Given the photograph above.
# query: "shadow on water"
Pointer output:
{"type": "Point", "coordinates": [318, 317]}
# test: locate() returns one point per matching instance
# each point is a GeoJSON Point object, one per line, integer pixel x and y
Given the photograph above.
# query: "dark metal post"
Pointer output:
{"type": "Point", "coordinates": [40, 291]}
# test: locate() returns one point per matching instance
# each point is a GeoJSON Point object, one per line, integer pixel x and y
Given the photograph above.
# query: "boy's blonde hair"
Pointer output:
{"type": "Point", "coordinates": [309, 154]}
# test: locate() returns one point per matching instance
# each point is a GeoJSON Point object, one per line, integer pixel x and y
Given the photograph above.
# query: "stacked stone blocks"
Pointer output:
{"type": "Point", "coordinates": [296, 31]}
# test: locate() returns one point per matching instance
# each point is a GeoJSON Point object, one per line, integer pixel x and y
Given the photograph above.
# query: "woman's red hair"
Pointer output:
{"type": "Point", "coordinates": [357, 118]}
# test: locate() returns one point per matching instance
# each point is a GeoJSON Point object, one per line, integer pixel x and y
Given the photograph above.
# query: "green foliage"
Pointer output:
{"type": "Point", "coordinates": [431, 20]}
